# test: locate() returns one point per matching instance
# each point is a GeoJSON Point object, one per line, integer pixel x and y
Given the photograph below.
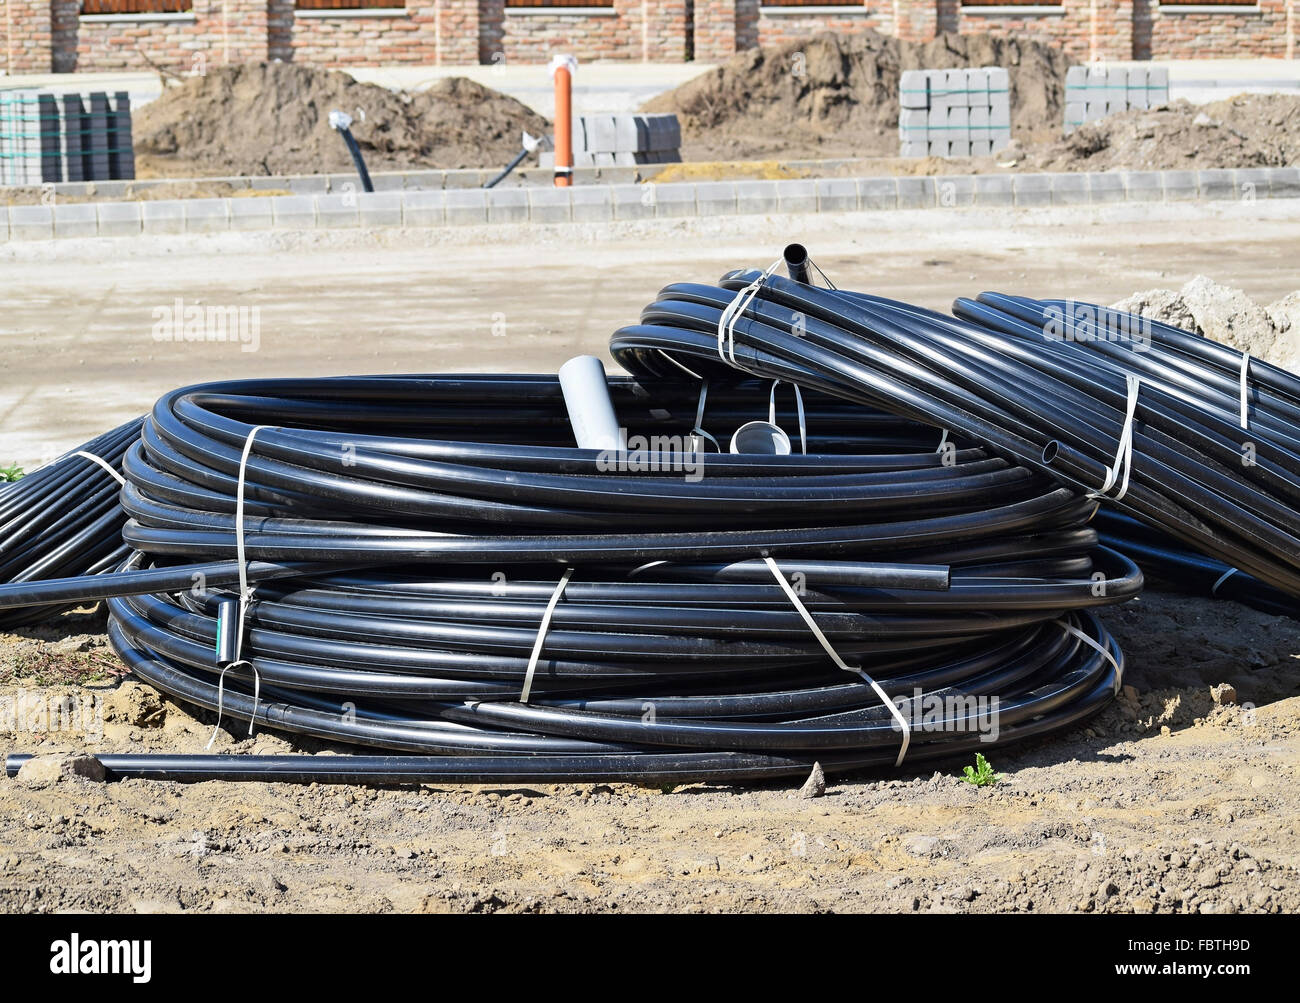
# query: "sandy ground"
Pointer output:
{"type": "Point", "coordinates": [1166, 802]}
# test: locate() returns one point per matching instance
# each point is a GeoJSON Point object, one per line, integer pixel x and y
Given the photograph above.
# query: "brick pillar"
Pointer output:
{"type": "Point", "coordinates": [664, 31]}
{"type": "Point", "coordinates": [916, 20]}
{"type": "Point", "coordinates": [453, 27]}
{"type": "Point", "coordinates": [28, 36]}
{"type": "Point", "coordinates": [1111, 31]}
{"type": "Point", "coordinates": [715, 30]}
{"type": "Point", "coordinates": [232, 31]}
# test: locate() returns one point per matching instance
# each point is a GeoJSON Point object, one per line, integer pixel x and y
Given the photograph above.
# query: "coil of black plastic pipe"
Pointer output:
{"type": "Point", "coordinates": [63, 520]}
{"type": "Point", "coordinates": [1046, 384]}
{"type": "Point", "coordinates": [404, 536]}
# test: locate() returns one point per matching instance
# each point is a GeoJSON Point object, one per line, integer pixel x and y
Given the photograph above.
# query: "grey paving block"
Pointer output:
{"type": "Point", "coordinates": [1181, 186]}
{"type": "Point", "coordinates": [505, 205]}
{"type": "Point", "coordinates": [1251, 183]}
{"type": "Point", "coordinates": [1032, 189]}
{"type": "Point", "coordinates": [248, 213]}
{"type": "Point", "coordinates": [955, 191]}
{"type": "Point", "coordinates": [317, 184]}
{"type": "Point", "coordinates": [424, 208]}
{"type": "Point", "coordinates": [877, 193]}
{"type": "Point", "coordinates": [914, 149]}
{"type": "Point", "coordinates": [4, 225]}
{"type": "Point", "coordinates": [796, 195]}
{"type": "Point", "coordinates": [466, 206]}
{"type": "Point", "coordinates": [266, 184]}
{"type": "Point", "coordinates": [754, 197]}
{"type": "Point", "coordinates": [550, 205]}
{"type": "Point", "coordinates": [207, 215]}
{"type": "Point", "coordinates": [994, 189]}
{"type": "Point", "coordinates": [602, 133]}
{"type": "Point", "coordinates": [1217, 185]}
{"type": "Point", "coordinates": [911, 89]}
{"type": "Point", "coordinates": [163, 216]}
{"type": "Point", "coordinates": [76, 219]}
{"type": "Point", "coordinates": [107, 190]}
{"type": "Point", "coordinates": [294, 212]}
{"type": "Point", "coordinates": [380, 208]}
{"type": "Point", "coordinates": [716, 198]}
{"type": "Point", "coordinates": [837, 195]}
{"type": "Point", "coordinates": [389, 181]}
{"type": "Point", "coordinates": [468, 178]}
{"type": "Point", "coordinates": [591, 204]}
{"type": "Point", "coordinates": [1284, 182]}
{"type": "Point", "coordinates": [1106, 187]}
{"type": "Point", "coordinates": [422, 180]}
{"type": "Point", "coordinates": [632, 201]}
{"type": "Point", "coordinates": [627, 138]}
{"type": "Point", "coordinates": [1070, 189]}
{"type": "Point", "coordinates": [916, 193]}
{"type": "Point", "coordinates": [674, 200]}
{"type": "Point", "coordinates": [1144, 186]}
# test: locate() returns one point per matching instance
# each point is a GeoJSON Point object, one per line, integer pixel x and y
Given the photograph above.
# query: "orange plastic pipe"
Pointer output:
{"type": "Point", "coordinates": [563, 127]}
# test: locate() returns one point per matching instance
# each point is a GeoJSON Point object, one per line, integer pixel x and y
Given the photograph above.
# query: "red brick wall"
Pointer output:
{"type": "Point", "coordinates": [40, 35]}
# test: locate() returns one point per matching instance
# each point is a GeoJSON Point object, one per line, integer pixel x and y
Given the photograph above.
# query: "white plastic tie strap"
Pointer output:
{"type": "Point", "coordinates": [1245, 389]}
{"type": "Point", "coordinates": [943, 441]}
{"type": "Point", "coordinates": [541, 635]}
{"type": "Point", "coordinates": [245, 593]}
{"type": "Point", "coordinates": [839, 662]}
{"type": "Point", "coordinates": [798, 403]}
{"type": "Point", "coordinates": [1123, 466]}
{"type": "Point", "coordinates": [1105, 652]}
{"type": "Point", "coordinates": [103, 463]}
{"type": "Point", "coordinates": [733, 312]}
{"type": "Point", "coordinates": [699, 417]}
{"type": "Point", "coordinates": [1214, 589]}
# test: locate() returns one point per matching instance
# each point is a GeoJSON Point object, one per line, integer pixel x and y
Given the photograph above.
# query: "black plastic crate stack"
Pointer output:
{"type": "Point", "coordinates": [65, 137]}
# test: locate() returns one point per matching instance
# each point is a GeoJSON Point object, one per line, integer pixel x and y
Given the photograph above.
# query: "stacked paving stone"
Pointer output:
{"type": "Point", "coordinates": [623, 141]}
{"type": "Point", "coordinates": [1093, 92]}
{"type": "Point", "coordinates": [954, 113]}
{"type": "Point", "coordinates": [48, 137]}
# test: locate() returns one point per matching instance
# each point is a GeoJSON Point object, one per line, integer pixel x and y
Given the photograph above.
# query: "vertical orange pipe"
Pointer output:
{"type": "Point", "coordinates": [562, 68]}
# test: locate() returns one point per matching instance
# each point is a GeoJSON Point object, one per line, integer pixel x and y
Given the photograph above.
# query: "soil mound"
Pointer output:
{"type": "Point", "coordinates": [273, 118]}
{"type": "Point", "coordinates": [836, 95]}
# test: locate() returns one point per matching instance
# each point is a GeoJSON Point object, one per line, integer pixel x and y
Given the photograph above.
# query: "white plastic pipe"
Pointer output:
{"type": "Point", "coordinates": [586, 396]}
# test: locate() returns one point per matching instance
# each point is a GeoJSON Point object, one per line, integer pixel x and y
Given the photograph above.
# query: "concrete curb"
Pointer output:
{"type": "Point", "coordinates": [619, 202]}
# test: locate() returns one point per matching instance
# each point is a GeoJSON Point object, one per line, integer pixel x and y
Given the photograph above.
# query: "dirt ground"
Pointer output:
{"type": "Point", "coordinates": [1168, 801]}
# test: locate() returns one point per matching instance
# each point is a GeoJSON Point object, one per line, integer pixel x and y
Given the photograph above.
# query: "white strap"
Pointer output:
{"type": "Point", "coordinates": [541, 635]}
{"type": "Point", "coordinates": [839, 662]}
{"type": "Point", "coordinates": [103, 463]}
{"type": "Point", "coordinates": [825, 277]}
{"type": "Point", "coordinates": [1119, 671]}
{"type": "Point", "coordinates": [732, 313]}
{"type": "Point", "coordinates": [221, 697]}
{"type": "Point", "coordinates": [1214, 589]}
{"type": "Point", "coordinates": [798, 402]}
{"type": "Point", "coordinates": [699, 418]}
{"type": "Point", "coordinates": [1124, 448]}
{"type": "Point", "coordinates": [1245, 389]}
{"type": "Point", "coordinates": [245, 593]}
{"type": "Point", "coordinates": [943, 441]}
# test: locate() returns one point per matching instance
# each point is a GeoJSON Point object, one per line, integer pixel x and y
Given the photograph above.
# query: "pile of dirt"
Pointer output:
{"type": "Point", "coordinates": [273, 118]}
{"type": "Point", "coordinates": [837, 95]}
{"type": "Point", "coordinates": [1249, 130]}
{"type": "Point", "coordinates": [1229, 316]}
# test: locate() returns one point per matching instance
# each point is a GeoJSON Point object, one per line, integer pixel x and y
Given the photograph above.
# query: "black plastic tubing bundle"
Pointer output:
{"type": "Point", "coordinates": [63, 520]}
{"type": "Point", "coordinates": [1038, 382]}
{"type": "Point", "coordinates": [405, 536]}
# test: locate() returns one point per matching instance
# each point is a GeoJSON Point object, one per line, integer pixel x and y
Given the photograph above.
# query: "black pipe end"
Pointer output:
{"type": "Point", "coordinates": [796, 262]}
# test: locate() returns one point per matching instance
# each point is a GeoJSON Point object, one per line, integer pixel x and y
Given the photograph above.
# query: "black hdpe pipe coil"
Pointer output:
{"type": "Point", "coordinates": [405, 536]}
{"type": "Point", "coordinates": [1184, 570]}
{"type": "Point", "coordinates": [63, 520]}
{"type": "Point", "coordinates": [1029, 385]}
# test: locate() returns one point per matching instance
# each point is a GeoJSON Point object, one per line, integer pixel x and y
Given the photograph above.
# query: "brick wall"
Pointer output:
{"type": "Point", "coordinates": [40, 35]}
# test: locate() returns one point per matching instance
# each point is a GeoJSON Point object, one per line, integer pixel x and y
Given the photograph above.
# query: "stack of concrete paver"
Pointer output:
{"type": "Point", "coordinates": [954, 113]}
{"type": "Point", "coordinates": [623, 141]}
{"type": "Point", "coordinates": [1093, 92]}
{"type": "Point", "coordinates": [64, 137]}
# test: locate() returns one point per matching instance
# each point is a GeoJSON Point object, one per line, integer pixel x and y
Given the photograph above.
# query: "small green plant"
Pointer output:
{"type": "Point", "coordinates": [981, 774]}
{"type": "Point", "coordinates": [10, 473]}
